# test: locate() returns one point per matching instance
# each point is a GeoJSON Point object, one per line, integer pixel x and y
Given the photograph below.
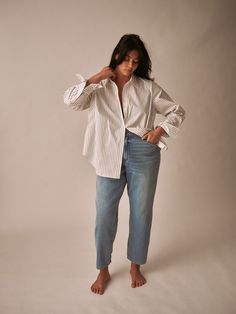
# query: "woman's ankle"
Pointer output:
{"type": "Point", "coordinates": [134, 265]}
{"type": "Point", "coordinates": [104, 270]}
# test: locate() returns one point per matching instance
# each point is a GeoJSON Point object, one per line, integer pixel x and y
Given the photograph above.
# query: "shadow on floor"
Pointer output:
{"type": "Point", "coordinates": [190, 249]}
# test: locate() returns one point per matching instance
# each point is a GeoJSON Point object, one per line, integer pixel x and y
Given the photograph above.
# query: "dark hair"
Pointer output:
{"type": "Point", "coordinates": [127, 43]}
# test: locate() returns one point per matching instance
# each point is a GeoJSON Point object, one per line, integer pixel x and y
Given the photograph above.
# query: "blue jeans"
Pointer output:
{"type": "Point", "coordinates": [140, 166]}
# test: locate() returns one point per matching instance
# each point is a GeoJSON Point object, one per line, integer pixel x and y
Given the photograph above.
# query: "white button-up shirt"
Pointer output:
{"type": "Point", "coordinates": [104, 137]}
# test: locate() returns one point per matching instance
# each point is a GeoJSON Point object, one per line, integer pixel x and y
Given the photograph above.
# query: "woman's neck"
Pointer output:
{"type": "Point", "coordinates": [121, 79]}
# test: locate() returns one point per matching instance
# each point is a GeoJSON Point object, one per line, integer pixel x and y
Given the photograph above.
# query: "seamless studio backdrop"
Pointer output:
{"type": "Point", "coordinates": [47, 213]}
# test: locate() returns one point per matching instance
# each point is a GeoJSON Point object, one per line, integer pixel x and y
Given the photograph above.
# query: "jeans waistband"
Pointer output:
{"type": "Point", "coordinates": [129, 132]}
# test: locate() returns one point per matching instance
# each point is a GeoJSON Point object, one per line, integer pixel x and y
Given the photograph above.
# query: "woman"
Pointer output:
{"type": "Point", "coordinates": [123, 145]}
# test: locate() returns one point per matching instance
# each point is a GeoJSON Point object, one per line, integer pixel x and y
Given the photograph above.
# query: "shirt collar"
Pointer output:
{"type": "Point", "coordinates": [133, 80]}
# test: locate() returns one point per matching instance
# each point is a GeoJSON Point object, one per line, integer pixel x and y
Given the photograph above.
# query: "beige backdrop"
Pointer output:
{"type": "Point", "coordinates": [45, 179]}
{"type": "Point", "coordinates": [46, 183]}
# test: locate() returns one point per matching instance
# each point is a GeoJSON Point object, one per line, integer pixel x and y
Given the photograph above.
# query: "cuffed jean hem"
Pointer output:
{"type": "Point", "coordinates": [103, 266]}
{"type": "Point", "coordinates": [136, 262]}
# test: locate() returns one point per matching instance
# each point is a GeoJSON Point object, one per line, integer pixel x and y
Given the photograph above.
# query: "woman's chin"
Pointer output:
{"type": "Point", "coordinates": [127, 73]}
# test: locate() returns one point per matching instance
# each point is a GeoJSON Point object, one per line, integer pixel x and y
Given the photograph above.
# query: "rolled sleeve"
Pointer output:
{"type": "Point", "coordinates": [173, 112]}
{"type": "Point", "coordinates": [78, 96]}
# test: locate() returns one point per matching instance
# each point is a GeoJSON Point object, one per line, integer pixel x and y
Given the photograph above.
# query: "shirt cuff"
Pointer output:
{"type": "Point", "coordinates": [91, 87]}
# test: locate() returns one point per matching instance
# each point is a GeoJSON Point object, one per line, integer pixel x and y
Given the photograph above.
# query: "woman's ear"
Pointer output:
{"type": "Point", "coordinates": [116, 56]}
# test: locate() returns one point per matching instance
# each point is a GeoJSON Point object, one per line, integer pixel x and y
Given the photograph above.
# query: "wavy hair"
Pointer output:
{"type": "Point", "coordinates": [127, 43]}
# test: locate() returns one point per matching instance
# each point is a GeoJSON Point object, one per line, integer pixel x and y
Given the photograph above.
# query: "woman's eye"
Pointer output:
{"type": "Point", "coordinates": [127, 59]}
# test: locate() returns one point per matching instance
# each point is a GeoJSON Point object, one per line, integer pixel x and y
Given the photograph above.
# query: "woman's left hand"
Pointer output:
{"type": "Point", "coordinates": [154, 135]}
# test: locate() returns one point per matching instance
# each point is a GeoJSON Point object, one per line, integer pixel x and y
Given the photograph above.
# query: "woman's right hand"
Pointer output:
{"type": "Point", "coordinates": [106, 72]}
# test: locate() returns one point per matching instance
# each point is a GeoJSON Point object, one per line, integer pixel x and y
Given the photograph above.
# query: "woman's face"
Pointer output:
{"type": "Point", "coordinates": [129, 64]}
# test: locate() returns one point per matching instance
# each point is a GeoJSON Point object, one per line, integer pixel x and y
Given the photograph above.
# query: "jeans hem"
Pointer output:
{"type": "Point", "coordinates": [101, 267]}
{"type": "Point", "coordinates": [136, 262]}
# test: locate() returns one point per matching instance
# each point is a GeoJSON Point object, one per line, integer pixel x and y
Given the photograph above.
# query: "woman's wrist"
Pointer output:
{"type": "Point", "coordinates": [95, 79]}
{"type": "Point", "coordinates": [160, 130]}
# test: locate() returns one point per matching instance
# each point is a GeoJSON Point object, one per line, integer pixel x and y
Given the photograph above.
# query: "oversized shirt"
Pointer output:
{"type": "Point", "coordinates": [104, 137]}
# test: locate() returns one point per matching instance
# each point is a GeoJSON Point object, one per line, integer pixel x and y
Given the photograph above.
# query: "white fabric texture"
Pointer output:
{"type": "Point", "coordinates": [104, 137]}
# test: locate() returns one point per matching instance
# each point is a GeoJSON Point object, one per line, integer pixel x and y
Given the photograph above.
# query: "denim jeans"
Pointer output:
{"type": "Point", "coordinates": [139, 171]}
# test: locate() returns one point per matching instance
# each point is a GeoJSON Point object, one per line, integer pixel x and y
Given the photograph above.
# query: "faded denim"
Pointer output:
{"type": "Point", "coordinates": [139, 171]}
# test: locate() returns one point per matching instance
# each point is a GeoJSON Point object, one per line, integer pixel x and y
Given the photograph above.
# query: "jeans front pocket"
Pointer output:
{"type": "Point", "coordinates": [153, 145]}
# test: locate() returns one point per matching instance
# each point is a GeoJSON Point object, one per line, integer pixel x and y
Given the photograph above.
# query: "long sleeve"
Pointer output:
{"type": "Point", "coordinates": [173, 112]}
{"type": "Point", "coordinates": [78, 96]}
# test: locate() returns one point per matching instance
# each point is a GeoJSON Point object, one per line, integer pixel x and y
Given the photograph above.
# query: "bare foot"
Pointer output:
{"type": "Point", "coordinates": [137, 279]}
{"type": "Point", "coordinates": [99, 285]}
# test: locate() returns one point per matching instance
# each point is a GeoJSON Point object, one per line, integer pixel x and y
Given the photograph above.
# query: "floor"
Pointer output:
{"type": "Point", "coordinates": [189, 270]}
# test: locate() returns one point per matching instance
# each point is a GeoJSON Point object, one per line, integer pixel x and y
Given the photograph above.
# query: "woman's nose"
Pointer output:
{"type": "Point", "coordinates": [130, 64]}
